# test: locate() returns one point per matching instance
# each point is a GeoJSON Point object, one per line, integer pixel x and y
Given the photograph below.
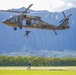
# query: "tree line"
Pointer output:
{"type": "Point", "coordinates": [36, 61]}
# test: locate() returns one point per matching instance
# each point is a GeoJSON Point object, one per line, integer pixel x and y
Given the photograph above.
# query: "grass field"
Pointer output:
{"type": "Point", "coordinates": [38, 71]}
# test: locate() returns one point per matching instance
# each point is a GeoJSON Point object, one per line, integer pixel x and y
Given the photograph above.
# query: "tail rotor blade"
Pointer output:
{"type": "Point", "coordinates": [64, 14]}
{"type": "Point", "coordinates": [70, 15]}
{"type": "Point", "coordinates": [62, 20]}
{"type": "Point", "coordinates": [65, 19]}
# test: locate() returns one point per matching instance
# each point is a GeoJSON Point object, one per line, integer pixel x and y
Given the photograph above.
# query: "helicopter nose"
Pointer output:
{"type": "Point", "coordinates": [4, 21]}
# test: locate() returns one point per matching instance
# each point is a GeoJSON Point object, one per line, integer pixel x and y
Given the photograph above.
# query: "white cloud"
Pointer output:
{"type": "Point", "coordinates": [61, 5]}
{"type": "Point", "coordinates": [51, 5]}
{"type": "Point", "coordinates": [57, 4]}
{"type": "Point", "coordinates": [69, 4]}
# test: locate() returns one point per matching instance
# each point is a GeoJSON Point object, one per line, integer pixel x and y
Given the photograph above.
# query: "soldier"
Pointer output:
{"type": "Point", "coordinates": [27, 32]}
{"type": "Point", "coordinates": [29, 66]}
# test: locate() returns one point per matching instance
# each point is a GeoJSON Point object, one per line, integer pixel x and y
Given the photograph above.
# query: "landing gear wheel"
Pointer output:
{"type": "Point", "coordinates": [15, 28]}
{"type": "Point", "coordinates": [20, 26]}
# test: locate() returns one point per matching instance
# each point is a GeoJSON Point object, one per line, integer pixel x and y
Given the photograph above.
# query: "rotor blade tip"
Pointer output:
{"type": "Point", "coordinates": [31, 4]}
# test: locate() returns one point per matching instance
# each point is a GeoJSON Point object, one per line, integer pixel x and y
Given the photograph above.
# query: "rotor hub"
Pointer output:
{"type": "Point", "coordinates": [66, 19]}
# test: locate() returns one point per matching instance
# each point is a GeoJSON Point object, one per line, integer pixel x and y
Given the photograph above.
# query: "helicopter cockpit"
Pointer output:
{"type": "Point", "coordinates": [12, 18]}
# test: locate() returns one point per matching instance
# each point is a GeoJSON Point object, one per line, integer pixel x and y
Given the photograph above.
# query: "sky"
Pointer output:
{"type": "Point", "coordinates": [50, 5]}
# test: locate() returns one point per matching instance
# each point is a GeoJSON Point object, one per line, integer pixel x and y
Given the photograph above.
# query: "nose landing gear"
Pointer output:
{"type": "Point", "coordinates": [15, 28]}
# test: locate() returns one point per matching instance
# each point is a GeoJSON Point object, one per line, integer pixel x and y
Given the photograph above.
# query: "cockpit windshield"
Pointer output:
{"type": "Point", "coordinates": [12, 18]}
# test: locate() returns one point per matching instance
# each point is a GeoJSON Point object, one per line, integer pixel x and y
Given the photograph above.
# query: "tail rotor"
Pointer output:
{"type": "Point", "coordinates": [66, 18]}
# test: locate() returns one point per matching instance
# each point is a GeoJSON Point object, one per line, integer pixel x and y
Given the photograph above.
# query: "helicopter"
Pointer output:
{"type": "Point", "coordinates": [33, 21]}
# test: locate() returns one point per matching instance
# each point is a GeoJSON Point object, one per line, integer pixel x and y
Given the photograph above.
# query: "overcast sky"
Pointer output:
{"type": "Point", "coordinates": [50, 5]}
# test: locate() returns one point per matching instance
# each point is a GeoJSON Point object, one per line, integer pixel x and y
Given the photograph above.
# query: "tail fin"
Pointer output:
{"type": "Point", "coordinates": [63, 25]}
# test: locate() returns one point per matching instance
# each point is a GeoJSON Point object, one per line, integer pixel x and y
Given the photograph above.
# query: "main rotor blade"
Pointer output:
{"type": "Point", "coordinates": [11, 11]}
{"type": "Point", "coordinates": [18, 11]}
{"type": "Point", "coordinates": [38, 12]}
{"type": "Point", "coordinates": [27, 8]}
{"type": "Point", "coordinates": [70, 15]}
{"type": "Point", "coordinates": [64, 14]}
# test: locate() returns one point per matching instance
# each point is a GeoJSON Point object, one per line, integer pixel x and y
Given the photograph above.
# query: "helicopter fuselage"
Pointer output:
{"type": "Point", "coordinates": [27, 21]}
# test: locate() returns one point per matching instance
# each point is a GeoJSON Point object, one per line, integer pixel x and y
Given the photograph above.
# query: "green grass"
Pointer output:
{"type": "Point", "coordinates": [37, 71]}
{"type": "Point", "coordinates": [25, 72]}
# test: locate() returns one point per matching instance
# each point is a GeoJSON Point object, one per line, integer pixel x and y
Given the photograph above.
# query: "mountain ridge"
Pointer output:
{"type": "Point", "coordinates": [39, 40]}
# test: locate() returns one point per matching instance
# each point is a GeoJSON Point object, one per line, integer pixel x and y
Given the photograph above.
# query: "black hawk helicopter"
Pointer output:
{"type": "Point", "coordinates": [33, 21]}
